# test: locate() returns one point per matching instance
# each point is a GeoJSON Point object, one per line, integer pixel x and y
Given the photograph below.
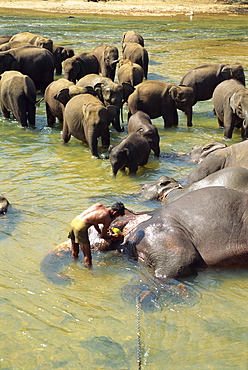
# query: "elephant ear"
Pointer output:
{"type": "Point", "coordinates": [140, 131]}
{"type": "Point", "coordinates": [232, 103]}
{"type": "Point", "coordinates": [173, 91]}
{"type": "Point", "coordinates": [226, 72]}
{"type": "Point", "coordinates": [98, 89]}
{"type": "Point", "coordinates": [63, 96]}
{"type": "Point", "coordinates": [128, 89]}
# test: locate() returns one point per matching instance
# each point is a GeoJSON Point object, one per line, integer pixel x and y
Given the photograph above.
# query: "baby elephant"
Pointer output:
{"type": "Point", "coordinates": [141, 123]}
{"type": "Point", "coordinates": [87, 119]}
{"type": "Point", "coordinates": [131, 152]}
{"type": "Point", "coordinates": [230, 99]}
{"type": "Point", "coordinates": [18, 96]}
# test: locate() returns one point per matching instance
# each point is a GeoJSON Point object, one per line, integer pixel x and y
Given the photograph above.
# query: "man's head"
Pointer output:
{"type": "Point", "coordinates": [118, 208]}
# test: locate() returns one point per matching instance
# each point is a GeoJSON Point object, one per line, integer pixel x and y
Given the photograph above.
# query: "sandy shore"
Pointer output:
{"type": "Point", "coordinates": [126, 7]}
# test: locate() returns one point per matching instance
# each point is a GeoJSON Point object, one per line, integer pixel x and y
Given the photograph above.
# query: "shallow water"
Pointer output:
{"type": "Point", "coordinates": [88, 319]}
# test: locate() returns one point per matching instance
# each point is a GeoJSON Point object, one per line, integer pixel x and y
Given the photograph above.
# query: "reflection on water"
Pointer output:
{"type": "Point", "coordinates": [89, 321]}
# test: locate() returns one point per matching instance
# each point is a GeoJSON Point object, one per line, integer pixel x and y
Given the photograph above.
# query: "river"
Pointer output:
{"type": "Point", "coordinates": [89, 319]}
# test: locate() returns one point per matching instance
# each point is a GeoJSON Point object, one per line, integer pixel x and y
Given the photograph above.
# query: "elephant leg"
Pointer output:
{"type": "Point", "coordinates": [50, 117]}
{"type": "Point", "coordinates": [66, 135]}
{"type": "Point", "coordinates": [228, 124]}
{"type": "Point", "coordinates": [105, 140]}
{"type": "Point", "coordinates": [220, 122]}
{"type": "Point", "coordinates": [31, 114]}
{"type": "Point", "coordinates": [188, 113]}
{"type": "Point", "coordinates": [5, 112]}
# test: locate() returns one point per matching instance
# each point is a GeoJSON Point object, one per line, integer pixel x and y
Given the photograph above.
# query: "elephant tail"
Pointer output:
{"type": "Point", "coordinates": [30, 90]}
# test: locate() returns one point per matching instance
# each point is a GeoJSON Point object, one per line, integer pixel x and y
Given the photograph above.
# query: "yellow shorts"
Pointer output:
{"type": "Point", "coordinates": [79, 231]}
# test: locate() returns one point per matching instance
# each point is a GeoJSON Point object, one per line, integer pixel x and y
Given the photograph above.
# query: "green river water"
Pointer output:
{"type": "Point", "coordinates": [89, 321]}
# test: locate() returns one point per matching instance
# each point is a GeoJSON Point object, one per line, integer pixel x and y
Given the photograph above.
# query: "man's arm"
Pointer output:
{"type": "Point", "coordinates": [97, 229]}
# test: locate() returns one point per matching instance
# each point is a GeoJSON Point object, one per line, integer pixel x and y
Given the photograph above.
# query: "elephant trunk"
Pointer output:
{"type": "Point", "coordinates": [92, 142]}
{"type": "Point", "coordinates": [188, 112]}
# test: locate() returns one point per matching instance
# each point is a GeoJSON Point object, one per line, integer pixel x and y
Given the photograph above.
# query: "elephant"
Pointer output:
{"type": "Point", "coordinates": [233, 155]}
{"type": "Point", "coordinates": [109, 92]}
{"type": "Point", "coordinates": [204, 79]}
{"type": "Point", "coordinates": [136, 54]}
{"type": "Point", "coordinates": [230, 99]}
{"type": "Point", "coordinates": [140, 123]}
{"type": "Point", "coordinates": [172, 240]}
{"type": "Point", "coordinates": [131, 152]}
{"type": "Point", "coordinates": [4, 39]}
{"type": "Point", "coordinates": [37, 63]}
{"type": "Point", "coordinates": [166, 189]}
{"type": "Point", "coordinates": [18, 96]}
{"type": "Point", "coordinates": [199, 152]}
{"type": "Point", "coordinates": [129, 72]}
{"type": "Point", "coordinates": [33, 39]}
{"type": "Point", "coordinates": [87, 119]}
{"type": "Point", "coordinates": [158, 98]}
{"type": "Point", "coordinates": [60, 54]}
{"type": "Point", "coordinates": [132, 36]}
{"type": "Point", "coordinates": [57, 95]}
{"type": "Point", "coordinates": [107, 56]}
{"type": "Point", "coordinates": [80, 65]}
{"type": "Point", "coordinates": [4, 204]}
{"type": "Point", "coordinates": [13, 44]}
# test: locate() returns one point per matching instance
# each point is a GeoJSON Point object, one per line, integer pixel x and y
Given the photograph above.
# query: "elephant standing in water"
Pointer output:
{"type": "Point", "coordinates": [37, 63]}
{"type": "Point", "coordinates": [204, 79]}
{"type": "Point", "coordinates": [107, 57]}
{"type": "Point", "coordinates": [80, 65]}
{"type": "Point", "coordinates": [158, 98]}
{"type": "Point", "coordinates": [18, 96]}
{"type": "Point", "coordinates": [132, 36]}
{"type": "Point", "coordinates": [33, 39]}
{"type": "Point", "coordinates": [136, 54]}
{"type": "Point", "coordinates": [130, 72]}
{"type": "Point", "coordinates": [230, 99]}
{"type": "Point", "coordinates": [60, 54]}
{"type": "Point", "coordinates": [174, 243]}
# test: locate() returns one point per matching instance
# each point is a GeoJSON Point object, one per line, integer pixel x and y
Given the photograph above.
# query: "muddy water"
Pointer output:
{"type": "Point", "coordinates": [88, 319]}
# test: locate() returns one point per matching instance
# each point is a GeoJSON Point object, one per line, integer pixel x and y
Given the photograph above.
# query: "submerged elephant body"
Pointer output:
{"type": "Point", "coordinates": [230, 99]}
{"type": "Point", "coordinates": [18, 96]}
{"type": "Point", "coordinates": [234, 155]}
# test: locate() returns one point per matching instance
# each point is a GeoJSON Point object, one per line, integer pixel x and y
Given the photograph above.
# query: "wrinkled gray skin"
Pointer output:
{"type": "Point", "coordinates": [199, 152]}
{"type": "Point", "coordinates": [109, 92]}
{"type": "Point", "coordinates": [140, 123]}
{"type": "Point", "coordinates": [132, 36]}
{"type": "Point", "coordinates": [107, 56]}
{"type": "Point", "coordinates": [56, 96]}
{"type": "Point", "coordinates": [204, 79]}
{"type": "Point", "coordinates": [36, 62]}
{"type": "Point", "coordinates": [230, 99]}
{"type": "Point", "coordinates": [131, 152]}
{"type": "Point", "coordinates": [234, 155]}
{"type": "Point", "coordinates": [87, 119]}
{"type": "Point", "coordinates": [60, 54]}
{"type": "Point", "coordinates": [130, 72]}
{"type": "Point", "coordinates": [136, 54]}
{"type": "Point", "coordinates": [158, 98]}
{"type": "Point", "coordinates": [4, 204]}
{"type": "Point", "coordinates": [167, 189]}
{"type": "Point", "coordinates": [80, 65]}
{"type": "Point", "coordinates": [18, 96]}
{"type": "Point", "coordinates": [174, 243]}
{"type": "Point", "coordinates": [33, 39]}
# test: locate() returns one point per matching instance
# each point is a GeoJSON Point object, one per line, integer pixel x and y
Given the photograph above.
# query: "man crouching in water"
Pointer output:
{"type": "Point", "coordinates": [94, 215]}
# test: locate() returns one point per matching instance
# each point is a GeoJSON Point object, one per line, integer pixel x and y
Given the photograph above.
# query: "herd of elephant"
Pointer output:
{"type": "Point", "coordinates": [202, 222]}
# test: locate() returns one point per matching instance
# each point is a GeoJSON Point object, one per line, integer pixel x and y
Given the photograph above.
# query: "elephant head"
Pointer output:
{"type": "Point", "coordinates": [160, 188]}
{"type": "Point", "coordinates": [114, 117]}
{"type": "Point", "coordinates": [239, 106]}
{"type": "Point", "coordinates": [64, 95]}
{"type": "Point", "coordinates": [235, 71]}
{"type": "Point", "coordinates": [71, 69]}
{"type": "Point", "coordinates": [183, 97]}
{"type": "Point", "coordinates": [199, 152]}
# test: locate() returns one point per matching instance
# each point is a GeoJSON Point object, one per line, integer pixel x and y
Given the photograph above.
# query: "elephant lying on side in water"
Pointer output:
{"type": "Point", "coordinates": [199, 152]}
{"type": "Point", "coordinates": [18, 96]}
{"type": "Point", "coordinates": [234, 155]}
{"type": "Point", "coordinates": [173, 241]}
{"type": "Point", "coordinates": [80, 65]}
{"type": "Point", "coordinates": [204, 79]}
{"type": "Point", "coordinates": [37, 63]}
{"type": "Point", "coordinates": [132, 36]}
{"type": "Point", "coordinates": [140, 123]}
{"type": "Point", "coordinates": [230, 99]}
{"type": "Point", "coordinates": [57, 95]}
{"type": "Point", "coordinates": [166, 189]}
{"type": "Point", "coordinates": [133, 151]}
{"type": "Point", "coordinates": [107, 57]}
{"type": "Point", "coordinates": [4, 204]}
{"type": "Point", "coordinates": [158, 98]}
{"type": "Point", "coordinates": [33, 39]}
{"type": "Point", "coordinates": [87, 119]}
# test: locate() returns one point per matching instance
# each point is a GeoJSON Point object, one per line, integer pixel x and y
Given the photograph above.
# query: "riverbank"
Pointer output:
{"type": "Point", "coordinates": [126, 7]}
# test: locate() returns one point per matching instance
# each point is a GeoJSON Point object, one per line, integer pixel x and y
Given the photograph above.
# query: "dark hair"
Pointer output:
{"type": "Point", "coordinates": [119, 207]}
